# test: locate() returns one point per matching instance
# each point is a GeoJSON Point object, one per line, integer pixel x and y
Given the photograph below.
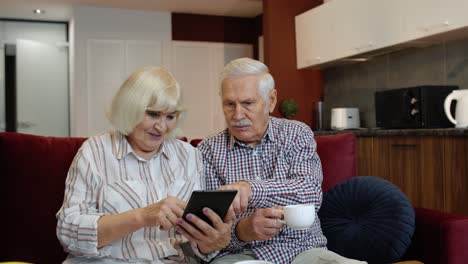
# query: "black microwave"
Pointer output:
{"type": "Point", "coordinates": [412, 107]}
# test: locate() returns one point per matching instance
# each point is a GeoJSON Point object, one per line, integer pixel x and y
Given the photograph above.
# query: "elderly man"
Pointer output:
{"type": "Point", "coordinates": [271, 162]}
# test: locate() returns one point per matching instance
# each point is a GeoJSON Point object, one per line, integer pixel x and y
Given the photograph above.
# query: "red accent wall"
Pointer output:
{"type": "Point", "coordinates": [304, 86]}
{"type": "Point", "coordinates": [192, 27]}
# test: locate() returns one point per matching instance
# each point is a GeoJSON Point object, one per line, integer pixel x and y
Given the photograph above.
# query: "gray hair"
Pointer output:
{"type": "Point", "coordinates": [247, 66]}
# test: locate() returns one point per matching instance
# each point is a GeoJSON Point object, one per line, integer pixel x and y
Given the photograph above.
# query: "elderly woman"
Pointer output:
{"type": "Point", "coordinates": [126, 190]}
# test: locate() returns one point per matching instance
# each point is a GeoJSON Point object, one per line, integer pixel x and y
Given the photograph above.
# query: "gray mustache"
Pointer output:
{"type": "Point", "coordinates": [243, 122]}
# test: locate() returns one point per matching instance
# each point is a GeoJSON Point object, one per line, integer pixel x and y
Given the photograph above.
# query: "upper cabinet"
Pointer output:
{"type": "Point", "coordinates": [341, 28]}
{"type": "Point", "coordinates": [314, 34]}
{"type": "Point", "coordinates": [359, 29]}
{"type": "Point", "coordinates": [423, 18]}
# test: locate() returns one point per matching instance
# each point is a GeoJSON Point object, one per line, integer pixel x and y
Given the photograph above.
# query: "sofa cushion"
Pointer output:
{"type": "Point", "coordinates": [32, 183]}
{"type": "Point", "coordinates": [194, 142]}
{"type": "Point", "coordinates": [338, 156]}
{"type": "Point", "coordinates": [367, 218]}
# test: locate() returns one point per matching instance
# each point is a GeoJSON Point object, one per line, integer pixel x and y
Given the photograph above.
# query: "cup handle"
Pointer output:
{"type": "Point", "coordinates": [281, 221]}
{"type": "Point", "coordinates": [447, 103]}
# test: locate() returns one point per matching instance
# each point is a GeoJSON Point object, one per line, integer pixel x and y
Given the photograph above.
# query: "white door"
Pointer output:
{"type": "Point", "coordinates": [143, 53]}
{"type": "Point", "coordinates": [106, 70]}
{"type": "Point", "coordinates": [109, 63]}
{"type": "Point", "coordinates": [42, 88]}
{"type": "Point", "coordinates": [194, 67]}
{"type": "Point", "coordinates": [197, 66]}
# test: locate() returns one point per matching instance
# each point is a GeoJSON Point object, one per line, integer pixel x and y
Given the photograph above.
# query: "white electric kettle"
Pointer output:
{"type": "Point", "coordinates": [461, 112]}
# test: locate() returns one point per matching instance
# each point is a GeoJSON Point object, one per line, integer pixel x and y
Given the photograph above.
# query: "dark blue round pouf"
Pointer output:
{"type": "Point", "coordinates": [367, 218]}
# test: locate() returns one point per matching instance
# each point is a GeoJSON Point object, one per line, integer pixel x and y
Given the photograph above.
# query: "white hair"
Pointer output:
{"type": "Point", "coordinates": [147, 88]}
{"type": "Point", "coordinates": [246, 67]}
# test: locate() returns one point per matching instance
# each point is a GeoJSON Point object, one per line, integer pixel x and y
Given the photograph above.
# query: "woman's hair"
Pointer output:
{"type": "Point", "coordinates": [147, 88]}
{"type": "Point", "coordinates": [245, 67]}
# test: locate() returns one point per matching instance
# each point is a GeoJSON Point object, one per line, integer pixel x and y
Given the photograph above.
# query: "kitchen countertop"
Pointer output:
{"type": "Point", "coordinates": [371, 132]}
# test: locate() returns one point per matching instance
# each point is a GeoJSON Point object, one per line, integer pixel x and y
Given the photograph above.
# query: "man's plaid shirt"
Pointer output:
{"type": "Point", "coordinates": [283, 169]}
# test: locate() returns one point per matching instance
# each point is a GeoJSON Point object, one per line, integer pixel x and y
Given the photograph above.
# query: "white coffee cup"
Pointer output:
{"type": "Point", "coordinates": [298, 216]}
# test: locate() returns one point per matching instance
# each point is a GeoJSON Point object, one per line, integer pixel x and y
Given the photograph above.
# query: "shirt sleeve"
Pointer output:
{"type": "Point", "coordinates": [302, 182]}
{"type": "Point", "coordinates": [206, 258]}
{"type": "Point", "coordinates": [235, 243]}
{"type": "Point", "coordinates": [77, 227]}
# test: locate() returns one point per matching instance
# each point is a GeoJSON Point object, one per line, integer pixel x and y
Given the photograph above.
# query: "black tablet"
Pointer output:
{"type": "Point", "coordinates": [217, 200]}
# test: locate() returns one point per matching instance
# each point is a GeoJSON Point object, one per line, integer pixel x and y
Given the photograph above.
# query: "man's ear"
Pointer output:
{"type": "Point", "coordinates": [273, 99]}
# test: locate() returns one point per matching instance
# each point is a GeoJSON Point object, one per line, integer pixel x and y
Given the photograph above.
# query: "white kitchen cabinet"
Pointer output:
{"type": "Point", "coordinates": [423, 18]}
{"type": "Point", "coordinates": [358, 28]}
{"type": "Point", "coordinates": [315, 36]}
{"type": "Point", "coordinates": [340, 29]}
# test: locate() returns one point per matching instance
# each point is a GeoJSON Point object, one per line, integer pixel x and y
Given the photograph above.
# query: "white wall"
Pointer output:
{"type": "Point", "coordinates": [44, 32]}
{"type": "Point", "coordinates": [105, 48]}
{"type": "Point", "coordinates": [108, 44]}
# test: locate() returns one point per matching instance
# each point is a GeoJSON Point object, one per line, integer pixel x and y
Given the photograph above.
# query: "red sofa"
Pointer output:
{"type": "Point", "coordinates": [33, 171]}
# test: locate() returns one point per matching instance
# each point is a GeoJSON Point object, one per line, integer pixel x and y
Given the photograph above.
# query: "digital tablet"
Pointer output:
{"type": "Point", "coordinates": [217, 200]}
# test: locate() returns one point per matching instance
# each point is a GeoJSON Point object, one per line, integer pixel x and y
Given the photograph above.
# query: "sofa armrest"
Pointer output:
{"type": "Point", "coordinates": [439, 238]}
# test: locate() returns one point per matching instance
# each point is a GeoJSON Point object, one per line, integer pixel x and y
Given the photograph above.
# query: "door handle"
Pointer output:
{"type": "Point", "coordinates": [25, 124]}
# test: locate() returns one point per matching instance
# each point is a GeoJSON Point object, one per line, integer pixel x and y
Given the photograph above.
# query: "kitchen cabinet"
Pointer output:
{"type": "Point", "coordinates": [341, 29]}
{"type": "Point", "coordinates": [455, 162]}
{"type": "Point", "coordinates": [422, 18]}
{"type": "Point", "coordinates": [365, 156]}
{"type": "Point", "coordinates": [411, 164]}
{"type": "Point", "coordinates": [314, 37]}
{"type": "Point", "coordinates": [432, 171]}
{"type": "Point", "coordinates": [359, 29]}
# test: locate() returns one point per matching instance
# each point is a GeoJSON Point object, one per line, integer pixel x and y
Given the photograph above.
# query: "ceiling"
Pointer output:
{"type": "Point", "coordinates": [61, 10]}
